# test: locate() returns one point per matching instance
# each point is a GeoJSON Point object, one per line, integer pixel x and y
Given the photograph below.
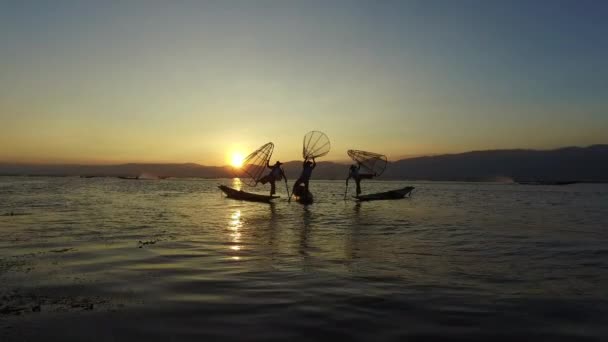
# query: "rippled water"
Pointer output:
{"type": "Point", "coordinates": [110, 259]}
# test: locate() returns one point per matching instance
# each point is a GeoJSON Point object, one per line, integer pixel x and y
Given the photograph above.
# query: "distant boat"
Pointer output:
{"type": "Point", "coordinates": [143, 176]}
{"type": "Point", "coordinates": [546, 182]}
{"type": "Point", "coordinates": [129, 177]}
{"type": "Point", "coordinates": [387, 195]}
{"type": "Point", "coordinates": [245, 196]}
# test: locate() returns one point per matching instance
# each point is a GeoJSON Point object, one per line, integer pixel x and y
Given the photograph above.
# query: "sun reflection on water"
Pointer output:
{"type": "Point", "coordinates": [237, 183]}
{"type": "Point", "coordinates": [234, 225]}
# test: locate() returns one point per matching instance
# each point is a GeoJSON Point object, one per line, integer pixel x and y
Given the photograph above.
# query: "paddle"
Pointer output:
{"type": "Point", "coordinates": [346, 190]}
{"type": "Point", "coordinates": [287, 189]}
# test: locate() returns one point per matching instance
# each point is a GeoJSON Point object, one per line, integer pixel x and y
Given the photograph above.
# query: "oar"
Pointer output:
{"type": "Point", "coordinates": [287, 189]}
{"type": "Point", "coordinates": [346, 190]}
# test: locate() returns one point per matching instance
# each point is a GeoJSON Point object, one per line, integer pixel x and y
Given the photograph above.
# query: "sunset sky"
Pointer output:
{"type": "Point", "coordinates": [196, 81]}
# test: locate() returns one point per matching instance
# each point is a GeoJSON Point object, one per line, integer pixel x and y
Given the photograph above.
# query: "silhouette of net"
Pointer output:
{"type": "Point", "coordinates": [370, 162]}
{"type": "Point", "coordinates": [254, 165]}
{"type": "Point", "coordinates": [316, 144]}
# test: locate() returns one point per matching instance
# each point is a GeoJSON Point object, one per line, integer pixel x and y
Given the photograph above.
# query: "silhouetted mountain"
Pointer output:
{"type": "Point", "coordinates": [122, 170]}
{"type": "Point", "coordinates": [324, 170]}
{"type": "Point", "coordinates": [570, 163]}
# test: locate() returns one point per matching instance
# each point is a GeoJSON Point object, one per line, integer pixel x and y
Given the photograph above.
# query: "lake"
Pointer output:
{"type": "Point", "coordinates": [107, 259]}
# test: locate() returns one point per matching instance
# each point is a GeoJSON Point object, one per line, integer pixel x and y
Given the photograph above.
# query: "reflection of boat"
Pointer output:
{"type": "Point", "coordinates": [388, 195]}
{"type": "Point", "coordinates": [245, 196]}
{"type": "Point", "coordinates": [303, 197]}
{"type": "Point", "coordinates": [546, 182]}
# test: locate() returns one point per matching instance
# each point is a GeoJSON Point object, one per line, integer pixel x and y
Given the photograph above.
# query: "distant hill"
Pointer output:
{"type": "Point", "coordinates": [570, 163]}
{"type": "Point", "coordinates": [121, 170]}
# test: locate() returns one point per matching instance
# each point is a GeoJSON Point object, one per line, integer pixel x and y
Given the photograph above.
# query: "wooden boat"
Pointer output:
{"type": "Point", "coordinates": [245, 196]}
{"type": "Point", "coordinates": [388, 195]}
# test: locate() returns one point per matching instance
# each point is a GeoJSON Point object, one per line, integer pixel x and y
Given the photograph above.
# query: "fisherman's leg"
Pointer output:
{"type": "Point", "coordinates": [272, 187]}
{"type": "Point", "coordinates": [358, 182]}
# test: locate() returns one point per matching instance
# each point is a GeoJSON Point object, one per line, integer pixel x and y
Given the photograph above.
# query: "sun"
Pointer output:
{"type": "Point", "coordinates": [237, 159]}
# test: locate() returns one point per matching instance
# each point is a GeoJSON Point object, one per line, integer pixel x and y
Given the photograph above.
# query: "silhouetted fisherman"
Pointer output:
{"type": "Point", "coordinates": [276, 174]}
{"type": "Point", "coordinates": [304, 178]}
{"type": "Point", "coordinates": [354, 173]}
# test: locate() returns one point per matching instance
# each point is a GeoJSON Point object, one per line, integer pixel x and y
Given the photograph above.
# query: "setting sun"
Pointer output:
{"type": "Point", "coordinates": [237, 159]}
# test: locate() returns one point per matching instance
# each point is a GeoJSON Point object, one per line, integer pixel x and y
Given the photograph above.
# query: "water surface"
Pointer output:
{"type": "Point", "coordinates": [110, 259]}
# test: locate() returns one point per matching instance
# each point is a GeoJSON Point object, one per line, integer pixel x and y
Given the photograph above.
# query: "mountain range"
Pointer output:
{"type": "Point", "coordinates": [569, 163]}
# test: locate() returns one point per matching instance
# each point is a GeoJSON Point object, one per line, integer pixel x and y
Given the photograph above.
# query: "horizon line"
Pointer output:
{"type": "Point", "coordinates": [337, 161]}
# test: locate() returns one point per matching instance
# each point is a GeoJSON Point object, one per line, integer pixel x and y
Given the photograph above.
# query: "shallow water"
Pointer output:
{"type": "Point", "coordinates": [111, 259]}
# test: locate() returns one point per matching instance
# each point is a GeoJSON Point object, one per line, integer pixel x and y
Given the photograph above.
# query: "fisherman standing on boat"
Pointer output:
{"type": "Point", "coordinates": [276, 174]}
{"type": "Point", "coordinates": [304, 178]}
{"type": "Point", "coordinates": [354, 173]}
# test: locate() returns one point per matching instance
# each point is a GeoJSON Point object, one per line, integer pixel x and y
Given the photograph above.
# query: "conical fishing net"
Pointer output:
{"type": "Point", "coordinates": [254, 165]}
{"type": "Point", "coordinates": [370, 162]}
{"type": "Point", "coordinates": [316, 144]}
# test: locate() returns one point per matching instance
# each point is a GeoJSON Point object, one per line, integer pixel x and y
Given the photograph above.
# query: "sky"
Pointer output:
{"type": "Point", "coordinates": [197, 81]}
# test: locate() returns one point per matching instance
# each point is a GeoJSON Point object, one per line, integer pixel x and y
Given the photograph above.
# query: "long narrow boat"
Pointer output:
{"type": "Point", "coordinates": [388, 195]}
{"type": "Point", "coordinates": [245, 196]}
